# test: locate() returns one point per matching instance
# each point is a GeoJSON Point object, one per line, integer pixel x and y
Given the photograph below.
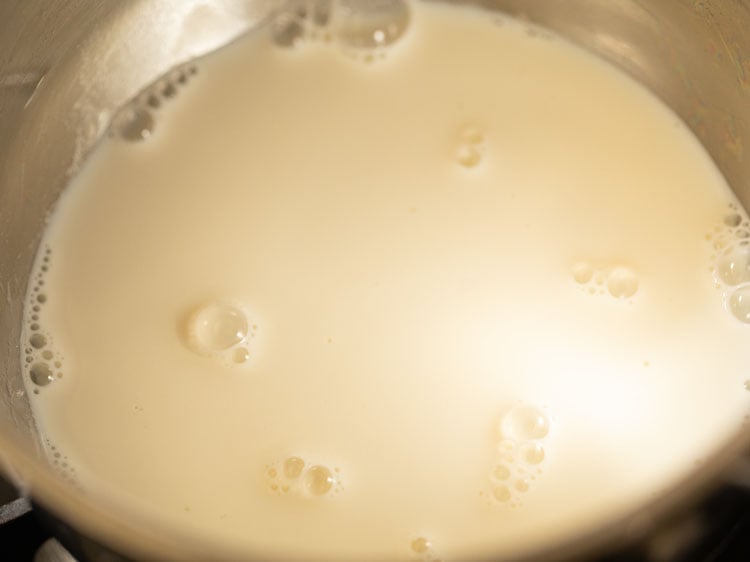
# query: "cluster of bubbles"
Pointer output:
{"type": "Point", "coordinates": [220, 330]}
{"type": "Point", "coordinates": [520, 453]}
{"type": "Point", "coordinates": [471, 147]}
{"type": "Point", "coordinates": [43, 365]}
{"type": "Point", "coordinates": [62, 464]}
{"type": "Point", "coordinates": [136, 121]}
{"type": "Point", "coordinates": [730, 242]}
{"type": "Point", "coordinates": [364, 29]}
{"type": "Point", "coordinates": [297, 477]}
{"type": "Point", "coordinates": [422, 549]}
{"type": "Point", "coordinates": [619, 282]}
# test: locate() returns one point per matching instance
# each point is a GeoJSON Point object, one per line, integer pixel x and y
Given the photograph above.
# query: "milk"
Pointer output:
{"type": "Point", "coordinates": [441, 286]}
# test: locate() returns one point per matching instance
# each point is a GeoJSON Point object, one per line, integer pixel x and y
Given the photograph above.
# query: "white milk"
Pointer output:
{"type": "Point", "coordinates": [466, 291]}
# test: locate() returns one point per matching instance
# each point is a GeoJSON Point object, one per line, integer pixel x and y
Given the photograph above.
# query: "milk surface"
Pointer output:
{"type": "Point", "coordinates": [437, 287]}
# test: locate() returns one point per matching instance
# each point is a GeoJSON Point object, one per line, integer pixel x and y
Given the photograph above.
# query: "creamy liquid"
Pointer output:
{"type": "Point", "coordinates": [471, 290]}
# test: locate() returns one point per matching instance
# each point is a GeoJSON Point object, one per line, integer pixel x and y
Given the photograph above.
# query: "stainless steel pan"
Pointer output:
{"type": "Point", "coordinates": [66, 65]}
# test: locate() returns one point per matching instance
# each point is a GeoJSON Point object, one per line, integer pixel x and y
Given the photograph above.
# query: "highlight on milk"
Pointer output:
{"type": "Point", "coordinates": [390, 280]}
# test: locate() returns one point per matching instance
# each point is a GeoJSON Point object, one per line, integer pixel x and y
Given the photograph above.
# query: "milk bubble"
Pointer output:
{"type": "Point", "coordinates": [240, 355]}
{"type": "Point", "coordinates": [134, 124]}
{"type": "Point", "coordinates": [524, 422]}
{"type": "Point", "coordinates": [739, 303]}
{"type": "Point", "coordinates": [287, 31]}
{"type": "Point", "coordinates": [216, 327]}
{"type": "Point", "coordinates": [501, 493]}
{"type": "Point", "coordinates": [733, 267]}
{"type": "Point", "coordinates": [470, 147]}
{"type": "Point", "coordinates": [319, 480]}
{"type": "Point", "coordinates": [532, 453]}
{"type": "Point", "coordinates": [41, 374]}
{"type": "Point", "coordinates": [168, 90]}
{"type": "Point", "coordinates": [321, 12]}
{"type": "Point", "coordinates": [622, 283]}
{"type": "Point", "coordinates": [472, 135]}
{"type": "Point", "coordinates": [733, 220]}
{"type": "Point", "coordinates": [582, 273]}
{"type": "Point", "coordinates": [501, 472]}
{"type": "Point", "coordinates": [368, 24]}
{"type": "Point", "coordinates": [521, 485]}
{"type": "Point", "coordinates": [468, 156]}
{"type": "Point", "coordinates": [37, 341]}
{"type": "Point", "coordinates": [293, 467]}
{"type": "Point", "coordinates": [420, 545]}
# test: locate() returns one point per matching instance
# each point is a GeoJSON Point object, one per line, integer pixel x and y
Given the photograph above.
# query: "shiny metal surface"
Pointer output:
{"type": "Point", "coordinates": [65, 66]}
{"type": "Point", "coordinates": [52, 551]}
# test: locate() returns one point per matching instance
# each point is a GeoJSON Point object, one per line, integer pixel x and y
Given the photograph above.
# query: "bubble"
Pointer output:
{"type": "Point", "coordinates": [272, 473]}
{"type": "Point", "coordinates": [733, 267]}
{"type": "Point", "coordinates": [37, 341]}
{"type": "Point", "coordinates": [321, 12]}
{"type": "Point", "coordinates": [287, 31]}
{"type": "Point", "coordinates": [747, 384]}
{"type": "Point", "coordinates": [532, 453]}
{"type": "Point", "coordinates": [293, 467]}
{"type": "Point", "coordinates": [319, 480]}
{"type": "Point", "coordinates": [169, 90]}
{"type": "Point", "coordinates": [622, 283]}
{"type": "Point", "coordinates": [34, 327]}
{"type": "Point", "coordinates": [468, 157]}
{"type": "Point", "coordinates": [240, 355]}
{"type": "Point", "coordinates": [582, 273]}
{"type": "Point", "coordinates": [521, 485]}
{"type": "Point", "coordinates": [216, 327]}
{"type": "Point", "coordinates": [420, 545]}
{"type": "Point", "coordinates": [41, 299]}
{"type": "Point", "coordinates": [733, 220]}
{"type": "Point", "coordinates": [134, 124]}
{"type": "Point", "coordinates": [368, 24]}
{"type": "Point", "coordinates": [722, 241]}
{"type": "Point", "coordinates": [472, 135]}
{"type": "Point", "coordinates": [153, 101]}
{"type": "Point", "coordinates": [524, 422]}
{"type": "Point", "coordinates": [41, 374]}
{"type": "Point", "coordinates": [739, 303]}
{"type": "Point", "coordinates": [501, 493]}
{"type": "Point", "coordinates": [501, 472]}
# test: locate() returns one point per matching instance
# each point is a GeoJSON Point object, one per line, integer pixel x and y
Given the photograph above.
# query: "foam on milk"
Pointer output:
{"type": "Point", "coordinates": [296, 290]}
